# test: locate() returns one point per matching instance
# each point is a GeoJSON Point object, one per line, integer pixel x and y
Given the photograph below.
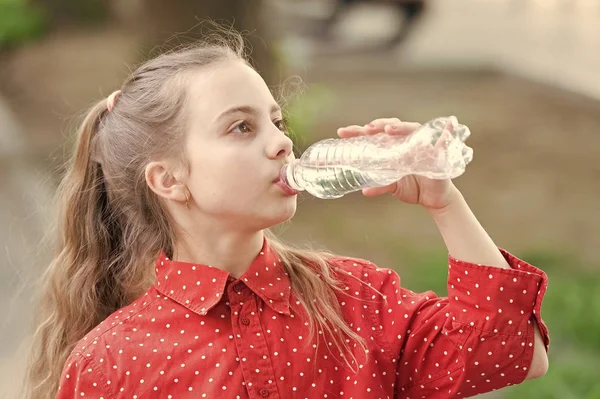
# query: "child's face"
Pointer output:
{"type": "Point", "coordinates": [236, 148]}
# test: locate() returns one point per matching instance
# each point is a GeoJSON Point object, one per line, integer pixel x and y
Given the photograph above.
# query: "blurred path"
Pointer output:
{"type": "Point", "coordinates": [23, 196]}
{"type": "Point", "coordinates": [549, 41]}
{"type": "Point", "coordinates": [536, 146]}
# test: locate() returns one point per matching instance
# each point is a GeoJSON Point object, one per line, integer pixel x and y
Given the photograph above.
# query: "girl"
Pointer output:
{"type": "Point", "coordinates": [168, 284]}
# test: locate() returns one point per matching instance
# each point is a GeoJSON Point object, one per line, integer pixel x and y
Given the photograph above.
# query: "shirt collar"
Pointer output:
{"type": "Point", "coordinates": [200, 287]}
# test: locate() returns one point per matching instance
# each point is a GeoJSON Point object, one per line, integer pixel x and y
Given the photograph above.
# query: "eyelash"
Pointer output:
{"type": "Point", "coordinates": [281, 122]}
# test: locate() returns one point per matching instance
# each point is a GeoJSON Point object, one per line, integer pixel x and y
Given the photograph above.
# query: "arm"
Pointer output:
{"type": "Point", "coordinates": [466, 240]}
{"type": "Point", "coordinates": [503, 314]}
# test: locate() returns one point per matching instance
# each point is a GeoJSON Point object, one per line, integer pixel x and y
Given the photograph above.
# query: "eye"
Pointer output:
{"type": "Point", "coordinates": [281, 124]}
{"type": "Point", "coordinates": [241, 127]}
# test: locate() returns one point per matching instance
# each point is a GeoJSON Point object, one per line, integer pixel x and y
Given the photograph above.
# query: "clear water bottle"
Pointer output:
{"type": "Point", "coordinates": [334, 167]}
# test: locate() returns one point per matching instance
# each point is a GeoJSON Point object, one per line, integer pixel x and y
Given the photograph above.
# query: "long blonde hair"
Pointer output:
{"type": "Point", "coordinates": [111, 226]}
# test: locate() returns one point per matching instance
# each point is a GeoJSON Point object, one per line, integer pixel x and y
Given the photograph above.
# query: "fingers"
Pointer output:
{"type": "Point", "coordinates": [392, 126]}
{"type": "Point", "coordinates": [351, 131]}
{"type": "Point", "coordinates": [374, 127]}
{"type": "Point", "coordinates": [380, 123]}
{"type": "Point", "coordinates": [402, 128]}
{"type": "Point", "coordinates": [376, 191]}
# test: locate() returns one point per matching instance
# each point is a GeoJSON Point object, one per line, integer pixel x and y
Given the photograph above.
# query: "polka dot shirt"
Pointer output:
{"type": "Point", "coordinates": [199, 333]}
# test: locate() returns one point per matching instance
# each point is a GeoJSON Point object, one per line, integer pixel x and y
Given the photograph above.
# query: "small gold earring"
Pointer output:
{"type": "Point", "coordinates": [187, 199]}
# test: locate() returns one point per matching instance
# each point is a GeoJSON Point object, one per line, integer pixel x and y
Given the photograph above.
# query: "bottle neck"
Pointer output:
{"type": "Point", "coordinates": [288, 175]}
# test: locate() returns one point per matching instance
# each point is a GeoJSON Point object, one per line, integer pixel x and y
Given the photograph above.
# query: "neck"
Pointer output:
{"type": "Point", "coordinates": [232, 252]}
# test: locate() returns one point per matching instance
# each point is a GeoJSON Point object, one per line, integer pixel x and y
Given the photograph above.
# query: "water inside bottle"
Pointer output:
{"type": "Point", "coordinates": [335, 181]}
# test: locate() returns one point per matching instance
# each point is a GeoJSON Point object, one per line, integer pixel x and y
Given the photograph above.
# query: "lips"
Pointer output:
{"type": "Point", "coordinates": [287, 189]}
{"type": "Point", "coordinates": [279, 175]}
{"type": "Point", "coordinates": [280, 181]}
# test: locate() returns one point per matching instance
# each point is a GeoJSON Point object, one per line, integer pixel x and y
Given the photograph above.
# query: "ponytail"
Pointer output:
{"type": "Point", "coordinates": [81, 286]}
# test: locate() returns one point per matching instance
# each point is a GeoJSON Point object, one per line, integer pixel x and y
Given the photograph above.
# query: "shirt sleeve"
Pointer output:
{"type": "Point", "coordinates": [478, 339]}
{"type": "Point", "coordinates": [80, 378]}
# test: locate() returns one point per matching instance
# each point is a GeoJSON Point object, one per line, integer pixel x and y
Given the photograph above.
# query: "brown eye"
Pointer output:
{"type": "Point", "coordinates": [281, 125]}
{"type": "Point", "coordinates": [242, 128]}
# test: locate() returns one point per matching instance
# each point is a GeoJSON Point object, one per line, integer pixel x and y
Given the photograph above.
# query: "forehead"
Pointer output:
{"type": "Point", "coordinates": [226, 84]}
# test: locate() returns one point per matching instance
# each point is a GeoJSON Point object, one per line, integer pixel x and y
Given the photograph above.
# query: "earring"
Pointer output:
{"type": "Point", "coordinates": [187, 200]}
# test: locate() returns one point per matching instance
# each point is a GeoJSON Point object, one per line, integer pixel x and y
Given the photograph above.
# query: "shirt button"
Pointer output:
{"type": "Point", "coordinates": [264, 392]}
{"type": "Point", "coordinates": [238, 287]}
{"type": "Point", "coordinates": [245, 321]}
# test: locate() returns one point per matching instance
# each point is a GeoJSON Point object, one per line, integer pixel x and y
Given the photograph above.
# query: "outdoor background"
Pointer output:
{"type": "Point", "coordinates": [524, 75]}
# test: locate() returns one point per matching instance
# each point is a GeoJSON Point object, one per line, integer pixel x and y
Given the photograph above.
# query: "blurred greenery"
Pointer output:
{"type": "Point", "coordinates": [302, 113]}
{"type": "Point", "coordinates": [19, 22]}
{"type": "Point", "coordinates": [573, 374]}
{"type": "Point", "coordinates": [69, 12]}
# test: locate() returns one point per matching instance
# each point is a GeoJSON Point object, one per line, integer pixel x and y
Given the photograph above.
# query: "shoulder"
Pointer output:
{"type": "Point", "coordinates": [90, 369]}
{"type": "Point", "coordinates": [113, 328]}
{"type": "Point", "coordinates": [379, 282]}
{"type": "Point", "coordinates": [365, 271]}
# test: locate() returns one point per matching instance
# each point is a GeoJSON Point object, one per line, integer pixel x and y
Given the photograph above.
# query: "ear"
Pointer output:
{"type": "Point", "coordinates": [165, 183]}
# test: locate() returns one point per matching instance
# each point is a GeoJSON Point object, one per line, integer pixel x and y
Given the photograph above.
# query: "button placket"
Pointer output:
{"type": "Point", "coordinates": [252, 347]}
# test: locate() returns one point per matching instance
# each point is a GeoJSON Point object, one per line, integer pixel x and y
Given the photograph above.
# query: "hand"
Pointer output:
{"type": "Point", "coordinates": [413, 189]}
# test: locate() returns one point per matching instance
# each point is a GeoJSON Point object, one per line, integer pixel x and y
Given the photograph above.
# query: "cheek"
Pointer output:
{"type": "Point", "coordinates": [224, 177]}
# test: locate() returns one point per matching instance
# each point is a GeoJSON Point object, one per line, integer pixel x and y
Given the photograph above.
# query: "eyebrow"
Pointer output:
{"type": "Point", "coordinates": [245, 109]}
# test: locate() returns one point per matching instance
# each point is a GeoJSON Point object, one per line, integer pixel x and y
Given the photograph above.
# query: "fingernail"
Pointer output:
{"type": "Point", "coordinates": [394, 127]}
{"type": "Point", "coordinates": [371, 125]}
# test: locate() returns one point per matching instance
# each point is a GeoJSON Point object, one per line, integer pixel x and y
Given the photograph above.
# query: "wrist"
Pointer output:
{"type": "Point", "coordinates": [455, 203]}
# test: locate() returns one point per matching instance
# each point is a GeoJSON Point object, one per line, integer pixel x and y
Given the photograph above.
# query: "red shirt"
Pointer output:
{"type": "Point", "coordinates": [199, 333]}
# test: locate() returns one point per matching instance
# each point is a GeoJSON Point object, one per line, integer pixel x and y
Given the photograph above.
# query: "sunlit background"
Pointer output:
{"type": "Point", "coordinates": [524, 75]}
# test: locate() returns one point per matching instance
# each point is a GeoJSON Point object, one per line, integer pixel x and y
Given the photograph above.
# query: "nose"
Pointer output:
{"type": "Point", "coordinates": [280, 146]}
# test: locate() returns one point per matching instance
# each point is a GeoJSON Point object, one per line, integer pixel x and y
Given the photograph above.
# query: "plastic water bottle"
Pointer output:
{"type": "Point", "coordinates": [332, 168]}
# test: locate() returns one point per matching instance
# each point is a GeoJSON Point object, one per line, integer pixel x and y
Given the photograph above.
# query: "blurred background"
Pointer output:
{"type": "Point", "coordinates": [524, 75]}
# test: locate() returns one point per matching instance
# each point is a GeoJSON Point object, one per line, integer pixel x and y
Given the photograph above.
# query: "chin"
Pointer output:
{"type": "Point", "coordinates": [279, 214]}
{"type": "Point", "coordinates": [287, 215]}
